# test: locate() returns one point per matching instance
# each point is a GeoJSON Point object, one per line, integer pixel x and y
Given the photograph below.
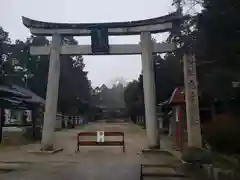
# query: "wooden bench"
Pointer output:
{"type": "Point", "coordinates": [105, 143]}
{"type": "Point", "coordinates": [146, 170]}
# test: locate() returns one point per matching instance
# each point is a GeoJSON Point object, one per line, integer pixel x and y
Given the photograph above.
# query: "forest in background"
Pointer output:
{"type": "Point", "coordinates": [213, 35]}
{"type": "Point", "coordinates": [31, 72]}
{"type": "Point", "coordinates": [76, 96]}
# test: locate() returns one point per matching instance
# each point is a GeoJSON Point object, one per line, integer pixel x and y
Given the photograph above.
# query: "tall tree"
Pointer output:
{"type": "Point", "coordinates": [168, 76]}
{"type": "Point", "coordinates": [109, 97]}
{"type": "Point", "coordinates": [32, 71]}
{"type": "Point", "coordinates": [6, 66]}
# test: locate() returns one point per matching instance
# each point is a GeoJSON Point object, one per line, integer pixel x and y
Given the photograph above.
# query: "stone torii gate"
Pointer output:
{"type": "Point", "coordinates": [99, 33]}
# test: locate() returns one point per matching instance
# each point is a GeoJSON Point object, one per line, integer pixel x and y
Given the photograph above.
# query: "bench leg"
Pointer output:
{"type": "Point", "coordinates": [77, 146]}
{"type": "Point", "coordinates": [123, 139]}
{"type": "Point", "coordinates": [123, 148]}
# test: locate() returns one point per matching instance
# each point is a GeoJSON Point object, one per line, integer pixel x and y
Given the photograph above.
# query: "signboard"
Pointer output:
{"type": "Point", "coordinates": [100, 136]}
{"type": "Point", "coordinates": [7, 114]}
{"type": "Point", "coordinates": [99, 40]}
{"type": "Point", "coordinates": [28, 114]}
{"type": "Point", "coordinates": [177, 114]}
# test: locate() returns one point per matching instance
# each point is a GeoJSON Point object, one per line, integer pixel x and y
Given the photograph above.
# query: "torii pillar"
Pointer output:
{"type": "Point", "coordinates": [149, 91]}
{"type": "Point", "coordinates": [52, 95]}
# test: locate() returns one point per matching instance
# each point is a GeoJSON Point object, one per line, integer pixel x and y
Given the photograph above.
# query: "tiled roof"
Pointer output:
{"type": "Point", "coordinates": [34, 98]}
{"type": "Point", "coordinates": [10, 90]}
{"type": "Point", "coordinates": [177, 97]}
{"type": "Point", "coordinates": [21, 94]}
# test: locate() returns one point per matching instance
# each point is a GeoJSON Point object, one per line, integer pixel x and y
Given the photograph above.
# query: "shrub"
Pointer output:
{"type": "Point", "coordinates": [223, 134]}
{"type": "Point", "coordinates": [196, 155]}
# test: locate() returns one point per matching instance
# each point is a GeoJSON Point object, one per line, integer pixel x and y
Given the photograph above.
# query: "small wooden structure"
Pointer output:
{"type": "Point", "coordinates": [178, 122]}
{"type": "Point", "coordinates": [14, 97]}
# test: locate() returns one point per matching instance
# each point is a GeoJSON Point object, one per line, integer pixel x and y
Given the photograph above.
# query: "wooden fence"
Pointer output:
{"type": "Point", "coordinates": [140, 120]}
{"type": "Point", "coordinates": [64, 121]}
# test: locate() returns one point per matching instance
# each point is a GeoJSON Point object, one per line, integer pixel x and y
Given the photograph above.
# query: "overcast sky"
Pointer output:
{"type": "Point", "coordinates": [102, 69]}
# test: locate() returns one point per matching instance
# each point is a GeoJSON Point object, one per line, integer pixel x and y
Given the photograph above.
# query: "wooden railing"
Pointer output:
{"type": "Point", "coordinates": [64, 121]}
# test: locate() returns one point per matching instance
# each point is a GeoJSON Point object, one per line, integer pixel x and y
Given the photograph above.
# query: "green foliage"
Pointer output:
{"type": "Point", "coordinates": [213, 34]}
{"type": "Point", "coordinates": [168, 76]}
{"type": "Point", "coordinates": [219, 23]}
{"type": "Point", "coordinates": [20, 68]}
{"type": "Point", "coordinates": [223, 134]}
{"type": "Point", "coordinates": [109, 97]}
{"type": "Point", "coordinates": [196, 155]}
{"type": "Point", "coordinates": [218, 34]}
{"type": "Point", "coordinates": [133, 97]}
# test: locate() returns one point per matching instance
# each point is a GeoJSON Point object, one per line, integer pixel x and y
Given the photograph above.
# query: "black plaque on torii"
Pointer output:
{"type": "Point", "coordinates": [99, 40]}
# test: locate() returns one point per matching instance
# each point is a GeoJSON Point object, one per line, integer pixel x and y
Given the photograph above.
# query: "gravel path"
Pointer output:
{"type": "Point", "coordinates": [91, 163]}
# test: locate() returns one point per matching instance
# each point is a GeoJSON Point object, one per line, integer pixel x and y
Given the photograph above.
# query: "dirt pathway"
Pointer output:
{"type": "Point", "coordinates": [91, 163]}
